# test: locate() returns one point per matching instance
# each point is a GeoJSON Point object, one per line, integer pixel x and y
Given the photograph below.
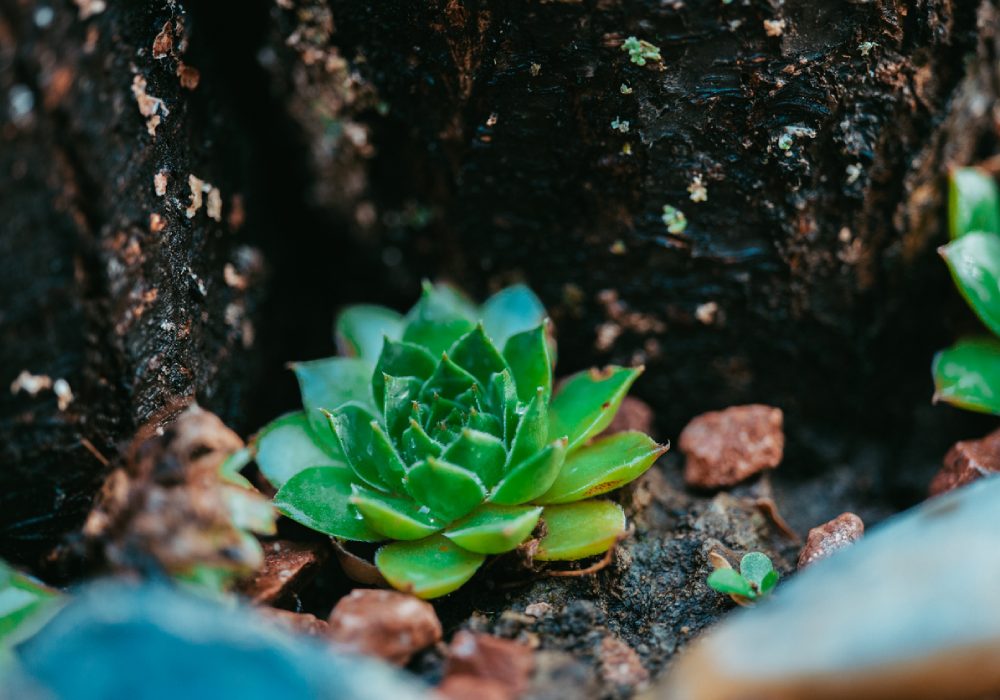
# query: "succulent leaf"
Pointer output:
{"type": "Point", "coordinates": [449, 381]}
{"type": "Point", "coordinates": [530, 362]}
{"type": "Point", "coordinates": [974, 260]}
{"type": "Point", "coordinates": [319, 498]}
{"type": "Point", "coordinates": [967, 375]}
{"type": "Point", "coordinates": [396, 517]}
{"type": "Point", "coordinates": [503, 397]}
{"type": "Point", "coordinates": [532, 432]}
{"type": "Point", "coordinates": [532, 477]}
{"type": "Point", "coordinates": [755, 566]}
{"type": "Point", "coordinates": [400, 394]}
{"type": "Point", "coordinates": [494, 529]}
{"type": "Point", "coordinates": [368, 449]}
{"type": "Point", "coordinates": [587, 402]}
{"type": "Point", "coordinates": [427, 568]}
{"type": "Point", "coordinates": [511, 311]}
{"type": "Point", "coordinates": [399, 359]}
{"type": "Point", "coordinates": [603, 466]}
{"type": "Point", "coordinates": [287, 445]}
{"type": "Point", "coordinates": [578, 530]}
{"type": "Point", "coordinates": [360, 330]}
{"type": "Point", "coordinates": [973, 202]}
{"type": "Point", "coordinates": [479, 452]}
{"type": "Point", "coordinates": [477, 355]}
{"type": "Point", "coordinates": [440, 318]}
{"type": "Point", "coordinates": [25, 605]}
{"type": "Point", "coordinates": [417, 444]}
{"type": "Point", "coordinates": [448, 490]}
{"type": "Point", "coordinates": [730, 582]}
{"type": "Point", "coordinates": [330, 383]}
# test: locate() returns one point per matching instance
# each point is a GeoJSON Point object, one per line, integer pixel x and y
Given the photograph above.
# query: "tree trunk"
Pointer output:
{"type": "Point", "coordinates": [312, 154]}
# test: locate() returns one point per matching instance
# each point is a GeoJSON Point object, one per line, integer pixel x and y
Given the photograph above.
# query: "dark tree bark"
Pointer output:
{"type": "Point", "coordinates": [356, 147]}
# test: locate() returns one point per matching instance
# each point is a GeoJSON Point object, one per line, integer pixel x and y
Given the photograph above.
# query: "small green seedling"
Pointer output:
{"type": "Point", "coordinates": [674, 219]}
{"type": "Point", "coordinates": [641, 51]}
{"type": "Point", "coordinates": [441, 435]}
{"type": "Point", "coordinates": [756, 578]}
{"type": "Point", "coordinates": [967, 374]}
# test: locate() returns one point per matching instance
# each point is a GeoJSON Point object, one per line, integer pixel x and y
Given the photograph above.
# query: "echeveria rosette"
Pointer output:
{"type": "Point", "coordinates": [439, 433]}
{"type": "Point", "coordinates": [967, 374]}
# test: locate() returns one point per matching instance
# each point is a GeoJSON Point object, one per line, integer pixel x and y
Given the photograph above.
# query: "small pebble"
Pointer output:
{"type": "Point", "coordinates": [828, 538]}
{"type": "Point", "coordinates": [491, 659]}
{"type": "Point", "coordinates": [967, 461]}
{"type": "Point", "coordinates": [725, 447]}
{"type": "Point", "coordinates": [387, 624]}
{"type": "Point", "coordinates": [620, 664]}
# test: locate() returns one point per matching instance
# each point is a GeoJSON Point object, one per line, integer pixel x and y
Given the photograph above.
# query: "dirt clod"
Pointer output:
{"type": "Point", "coordinates": [828, 538]}
{"type": "Point", "coordinates": [621, 665]}
{"type": "Point", "coordinates": [967, 461]}
{"type": "Point", "coordinates": [387, 624]}
{"type": "Point", "coordinates": [725, 447]}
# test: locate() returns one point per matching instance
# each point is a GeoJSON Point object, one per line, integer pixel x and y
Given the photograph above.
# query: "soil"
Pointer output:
{"type": "Point", "coordinates": [356, 151]}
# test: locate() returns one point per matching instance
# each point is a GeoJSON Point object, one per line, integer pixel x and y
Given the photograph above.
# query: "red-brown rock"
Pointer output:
{"type": "Point", "coordinates": [725, 447]}
{"type": "Point", "coordinates": [288, 566]}
{"type": "Point", "coordinates": [824, 540]}
{"type": "Point", "coordinates": [620, 664]}
{"type": "Point", "coordinates": [465, 687]}
{"type": "Point", "coordinates": [387, 624]}
{"type": "Point", "coordinates": [967, 461]}
{"type": "Point", "coordinates": [299, 623]}
{"type": "Point", "coordinates": [490, 658]}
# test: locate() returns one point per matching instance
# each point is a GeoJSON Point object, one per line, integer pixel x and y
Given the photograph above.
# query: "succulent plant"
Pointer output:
{"type": "Point", "coordinates": [440, 433]}
{"type": "Point", "coordinates": [756, 578]}
{"type": "Point", "coordinates": [967, 374]}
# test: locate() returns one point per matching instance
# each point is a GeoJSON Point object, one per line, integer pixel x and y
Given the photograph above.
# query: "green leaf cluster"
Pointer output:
{"type": "Point", "coordinates": [756, 578]}
{"type": "Point", "coordinates": [967, 374]}
{"type": "Point", "coordinates": [25, 605]}
{"type": "Point", "coordinates": [440, 433]}
{"type": "Point", "coordinates": [641, 51]}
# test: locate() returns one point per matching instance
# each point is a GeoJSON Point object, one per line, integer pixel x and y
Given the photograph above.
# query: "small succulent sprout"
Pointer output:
{"type": "Point", "coordinates": [447, 442]}
{"type": "Point", "coordinates": [674, 219]}
{"type": "Point", "coordinates": [967, 374]}
{"type": "Point", "coordinates": [641, 51]}
{"type": "Point", "coordinates": [756, 578]}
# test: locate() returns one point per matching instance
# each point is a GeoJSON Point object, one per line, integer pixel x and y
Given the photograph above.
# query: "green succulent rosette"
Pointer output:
{"type": "Point", "coordinates": [439, 433]}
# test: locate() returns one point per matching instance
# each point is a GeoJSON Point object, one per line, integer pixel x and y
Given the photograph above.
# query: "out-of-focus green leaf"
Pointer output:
{"type": "Point", "coordinates": [25, 605]}
{"type": "Point", "coordinates": [510, 311]}
{"type": "Point", "coordinates": [360, 330]}
{"type": "Point", "coordinates": [973, 202]}
{"type": "Point", "coordinates": [974, 260]}
{"type": "Point", "coordinates": [755, 566]}
{"type": "Point", "coordinates": [967, 375]}
{"type": "Point", "coordinates": [578, 530]}
{"type": "Point", "coordinates": [329, 384]}
{"type": "Point", "coordinates": [319, 498]}
{"type": "Point", "coordinates": [427, 568]}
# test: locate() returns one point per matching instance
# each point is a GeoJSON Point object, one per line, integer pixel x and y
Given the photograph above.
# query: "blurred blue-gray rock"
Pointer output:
{"type": "Point", "coordinates": [153, 642]}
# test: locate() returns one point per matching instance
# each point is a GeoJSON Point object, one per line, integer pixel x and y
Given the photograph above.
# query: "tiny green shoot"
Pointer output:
{"type": "Point", "coordinates": [756, 578]}
{"type": "Point", "coordinates": [640, 51]}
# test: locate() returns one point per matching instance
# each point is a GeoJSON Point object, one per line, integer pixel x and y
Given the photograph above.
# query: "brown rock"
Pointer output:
{"type": "Point", "coordinates": [490, 658]}
{"type": "Point", "coordinates": [633, 414]}
{"type": "Point", "coordinates": [824, 540]}
{"type": "Point", "coordinates": [288, 566]}
{"type": "Point", "coordinates": [725, 447]}
{"type": "Point", "coordinates": [465, 687]}
{"type": "Point", "coordinates": [620, 665]}
{"type": "Point", "coordinates": [388, 624]}
{"type": "Point", "coordinates": [967, 461]}
{"type": "Point", "coordinates": [299, 623]}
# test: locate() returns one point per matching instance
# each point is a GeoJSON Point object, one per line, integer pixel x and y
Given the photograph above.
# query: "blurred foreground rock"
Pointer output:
{"type": "Point", "coordinates": [967, 461]}
{"type": "Point", "coordinates": [907, 612]}
{"type": "Point", "coordinates": [157, 643]}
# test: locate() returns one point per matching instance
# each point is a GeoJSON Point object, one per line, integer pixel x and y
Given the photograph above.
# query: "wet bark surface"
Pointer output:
{"type": "Point", "coordinates": [342, 151]}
